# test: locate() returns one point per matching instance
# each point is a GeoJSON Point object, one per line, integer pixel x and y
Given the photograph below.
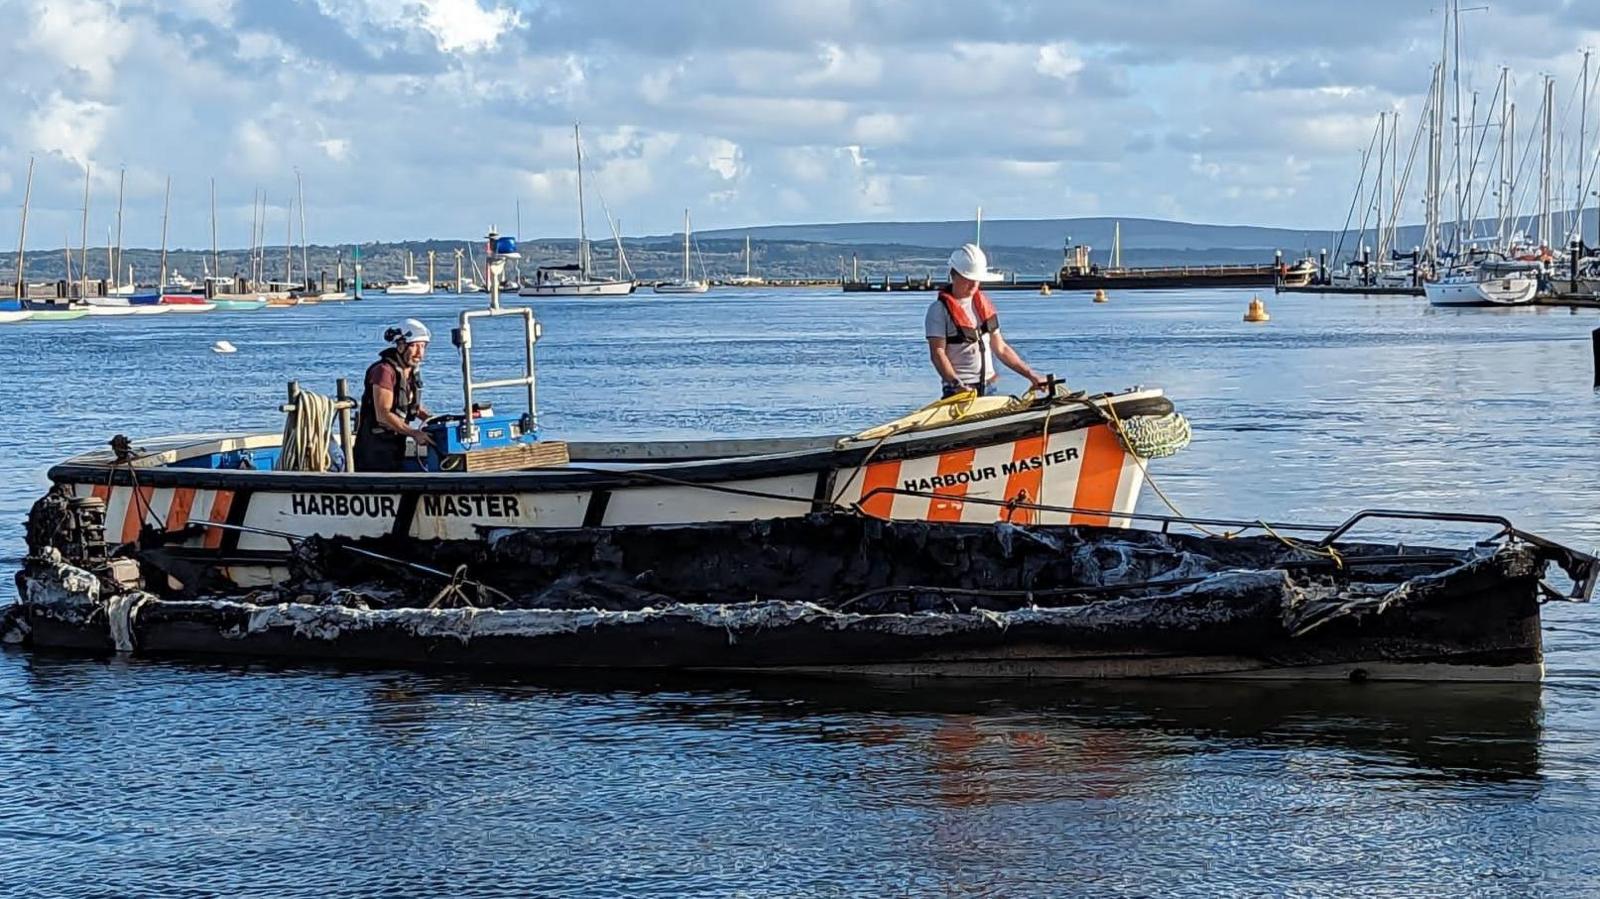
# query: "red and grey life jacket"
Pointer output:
{"type": "Point", "coordinates": [967, 330]}
{"type": "Point", "coordinates": [407, 394]}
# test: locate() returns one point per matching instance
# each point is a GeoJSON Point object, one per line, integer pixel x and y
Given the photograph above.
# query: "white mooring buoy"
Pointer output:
{"type": "Point", "coordinates": [223, 347]}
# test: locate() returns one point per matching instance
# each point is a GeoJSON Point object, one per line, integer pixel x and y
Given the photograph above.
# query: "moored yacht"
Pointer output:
{"type": "Point", "coordinates": [1489, 283]}
{"type": "Point", "coordinates": [684, 284]}
{"type": "Point", "coordinates": [577, 279]}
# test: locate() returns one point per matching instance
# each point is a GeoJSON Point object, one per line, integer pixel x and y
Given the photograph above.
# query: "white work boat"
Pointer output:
{"type": "Point", "coordinates": [222, 510]}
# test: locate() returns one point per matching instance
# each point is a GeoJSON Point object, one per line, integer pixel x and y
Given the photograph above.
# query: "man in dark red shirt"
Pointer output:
{"type": "Point", "coordinates": [392, 399]}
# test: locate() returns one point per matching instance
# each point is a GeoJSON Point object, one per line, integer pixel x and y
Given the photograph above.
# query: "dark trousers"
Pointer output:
{"type": "Point", "coordinates": [983, 389]}
{"type": "Point", "coordinates": [380, 452]}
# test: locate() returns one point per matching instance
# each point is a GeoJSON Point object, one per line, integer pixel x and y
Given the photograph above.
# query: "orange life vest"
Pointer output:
{"type": "Point", "coordinates": [967, 330]}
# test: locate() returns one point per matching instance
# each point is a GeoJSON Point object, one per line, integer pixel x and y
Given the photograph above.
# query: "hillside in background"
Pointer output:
{"type": "Point", "coordinates": [1030, 248]}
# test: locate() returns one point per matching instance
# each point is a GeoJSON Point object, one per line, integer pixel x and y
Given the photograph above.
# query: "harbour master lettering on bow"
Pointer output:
{"type": "Point", "coordinates": [945, 481]}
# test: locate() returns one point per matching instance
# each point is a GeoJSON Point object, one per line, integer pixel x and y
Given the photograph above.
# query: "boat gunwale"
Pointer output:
{"type": "Point", "coordinates": [98, 468]}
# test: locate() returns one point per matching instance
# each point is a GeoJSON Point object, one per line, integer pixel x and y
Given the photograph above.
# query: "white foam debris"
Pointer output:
{"type": "Point", "coordinates": [222, 347]}
{"type": "Point", "coordinates": [120, 611]}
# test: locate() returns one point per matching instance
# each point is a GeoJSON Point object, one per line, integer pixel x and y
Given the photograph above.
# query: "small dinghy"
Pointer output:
{"type": "Point", "coordinates": [829, 594]}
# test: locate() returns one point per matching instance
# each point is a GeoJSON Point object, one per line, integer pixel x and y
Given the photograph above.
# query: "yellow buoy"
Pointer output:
{"type": "Point", "coordinates": [1100, 296]}
{"type": "Point", "coordinates": [1044, 290]}
{"type": "Point", "coordinates": [1257, 311]}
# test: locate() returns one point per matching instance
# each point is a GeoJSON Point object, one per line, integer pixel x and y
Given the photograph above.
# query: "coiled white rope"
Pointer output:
{"type": "Point", "coordinates": [306, 433]}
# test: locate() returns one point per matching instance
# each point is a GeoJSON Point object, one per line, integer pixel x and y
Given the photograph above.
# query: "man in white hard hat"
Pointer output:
{"type": "Point", "coordinates": [963, 330]}
{"type": "Point", "coordinates": [392, 399]}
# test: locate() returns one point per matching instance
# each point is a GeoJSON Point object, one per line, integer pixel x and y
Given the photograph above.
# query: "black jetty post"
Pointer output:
{"type": "Point", "coordinates": [1594, 345]}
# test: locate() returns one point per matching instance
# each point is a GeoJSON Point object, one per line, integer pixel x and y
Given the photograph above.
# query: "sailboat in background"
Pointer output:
{"type": "Point", "coordinates": [747, 279]}
{"type": "Point", "coordinates": [409, 285]}
{"type": "Point", "coordinates": [685, 284]}
{"type": "Point", "coordinates": [577, 279]}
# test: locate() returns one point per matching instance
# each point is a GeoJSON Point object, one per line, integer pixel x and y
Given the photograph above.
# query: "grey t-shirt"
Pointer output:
{"type": "Point", "coordinates": [969, 359]}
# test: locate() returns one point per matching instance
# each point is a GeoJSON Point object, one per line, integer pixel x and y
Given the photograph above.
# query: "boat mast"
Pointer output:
{"type": "Point", "coordinates": [1502, 193]}
{"type": "Point", "coordinates": [747, 257]}
{"type": "Point", "coordinates": [288, 243]}
{"type": "Point", "coordinates": [22, 235]}
{"type": "Point", "coordinates": [305, 264]}
{"type": "Point", "coordinates": [116, 260]}
{"type": "Point", "coordinates": [517, 264]}
{"type": "Point", "coordinates": [166, 208]}
{"type": "Point", "coordinates": [1377, 189]}
{"type": "Point", "coordinates": [1431, 195]}
{"type": "Point", "coordinates": [83, 269]}
{"type": "Point", "coordinates": [686, 246]}
{"type": "Point", "coordinates": [215, 263]}
{"type": "Point", "coordinates": [583, 233]}
{"type": "Point", "coordinates": [1544, 164]}
{"type": "Point", "coordinates": [1116, 245]}
{"type": "Point", "coordinates": [255, 218]}
{"type": "Point", "coordinates": [1583, 128]}
{"type": "Point", "coordinates": [977, 239]}
{"type": "Point", "coordinates": [259, 237]}
{"type": "Point", "coordinates": [1455, 120]}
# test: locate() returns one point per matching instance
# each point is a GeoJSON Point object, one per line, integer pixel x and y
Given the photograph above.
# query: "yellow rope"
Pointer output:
{"type": "Point", "coordinates": [965, 399]}
{"type": "Point", "coordinates": [1109, 413]}
{"type": "Point", "coordinates": [1326, 552]}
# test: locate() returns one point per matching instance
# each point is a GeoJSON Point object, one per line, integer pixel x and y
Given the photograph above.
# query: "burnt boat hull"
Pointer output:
{"type": "Point", "coordinates": [643, 603]}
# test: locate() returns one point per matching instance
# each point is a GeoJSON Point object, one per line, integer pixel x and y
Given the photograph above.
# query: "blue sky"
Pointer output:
{"type": "Point", "coordinates": [429, 118]}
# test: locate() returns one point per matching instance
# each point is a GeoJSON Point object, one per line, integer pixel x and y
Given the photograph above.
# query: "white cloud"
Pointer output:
{"type": "Point", "coordinates": [463, 25]}
{"type": "Point", "coordinates": [81, 35]}
{"type": "Point", "coordinates": [336, 148]}
{"type": "Point", "coordinates": [1058, 61]}
{"type": "Point", "coordinates": [72, 128]}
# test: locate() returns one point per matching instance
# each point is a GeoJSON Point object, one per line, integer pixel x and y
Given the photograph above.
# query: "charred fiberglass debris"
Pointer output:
{"type": "Point", "coordinates": [841, 593]}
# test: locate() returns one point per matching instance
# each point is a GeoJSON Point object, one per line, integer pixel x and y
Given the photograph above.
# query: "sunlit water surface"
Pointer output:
{"type": "Point", "coordinates": [139, 778]}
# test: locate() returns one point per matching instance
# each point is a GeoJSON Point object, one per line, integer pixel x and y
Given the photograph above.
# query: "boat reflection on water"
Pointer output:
{"type": "Point", "coordinates": [1098, 731]}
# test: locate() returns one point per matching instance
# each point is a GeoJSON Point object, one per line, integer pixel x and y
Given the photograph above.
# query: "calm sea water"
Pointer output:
{"type": "Point", "coordinates": [138, 778]}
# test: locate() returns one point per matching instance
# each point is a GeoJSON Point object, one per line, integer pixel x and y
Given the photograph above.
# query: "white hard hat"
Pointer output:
{"type": "Point", "coordinates": [411, 331]}
{"type": "Point", "coordinates": [971, 263]}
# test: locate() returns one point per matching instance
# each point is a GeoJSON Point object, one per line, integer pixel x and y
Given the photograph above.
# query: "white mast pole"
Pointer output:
{"type": "Point", "coordinates": [22, 235]}
{"type": "Point", "coordinates": [216, 264]}
{"type": "Point", "coordinates": [686, 246]}
{"type": "Point", "coordinates": [166, 207]}
{"type": "Point", "coordinates": [583, 231]}
{"type": "Point", "coordinates": [116, 260]}
{"type": "Point", "coordinates": [305, 264]}
{"type": "Point", "coordinates": [1377, 192]}
{"type": "Point", "coordinates": [1455, 120]}
{"type": "Point", "coordinates": [83, 257]}
{"type": "Point", "coordinates": [1544, 165]}
{"type": "Point", "coordinates": [1505, 164]}
{"type": "Point", "coordinates": [1583, 128]}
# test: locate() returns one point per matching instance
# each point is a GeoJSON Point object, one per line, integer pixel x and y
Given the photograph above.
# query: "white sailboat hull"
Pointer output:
{"type": "Point", "coordinates": [681, 287]}
{"type": "Point", "coordinates": [1514, 290]}
{"type": "Point", "coordinates": [582, 289]}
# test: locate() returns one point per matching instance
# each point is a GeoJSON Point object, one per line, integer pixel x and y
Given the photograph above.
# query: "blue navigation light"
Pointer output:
{"type": "Point", "coordinates": [506, 246]}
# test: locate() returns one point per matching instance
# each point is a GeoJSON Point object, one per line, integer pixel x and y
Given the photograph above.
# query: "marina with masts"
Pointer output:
{"type": "Point", "coordinates": [1502, 222]}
